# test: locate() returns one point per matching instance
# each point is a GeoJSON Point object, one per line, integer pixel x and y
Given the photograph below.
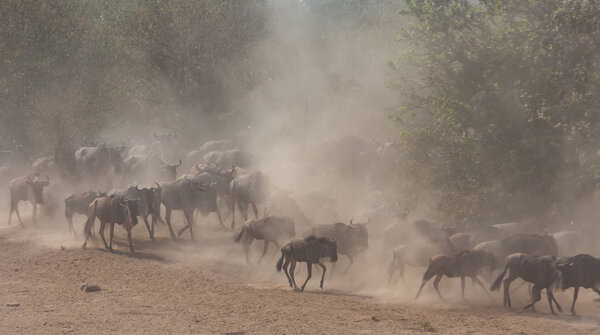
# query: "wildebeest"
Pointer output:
{"type": "Point", "coordinates": [216, 145]}
{"type": "Point", "coordinates": [282, 204]}
{"type": "Point", "coordinates": [43, 165]}
{"type": "Point", "coordinates": [466, 241]}
{"type": "Point", "coordinates": [530, 244]}
{"type": "Point", "coordinates": [94, 163]}
{"type": "Point", "coordinates": [79, 203]}
{"type": "Point", "coordinates": [416, 254]}
{"type": "Point", "coordinates": [183, 195]}
{"type": "Point", "coordinates": [111, 210]}
{"type": "Point", "coordinates": [579, 271]}
{"type": "Point", "coordinates": [352, 239]}
{"type": "Point", "coordinates": [270, 229]}
{"type": "Point", "coordinates": [312, 250]}
{"type": "Point", "coordinates": [207, 201]}
{"type": "Point", "coordinates": [248, 188]}
{"type": "Point", "coordinates": [576, 242]}
{"type": "Point", "coordinates": [466, 263]}
{"type": "Point", "coordinates": [149, 167]}
{"type": "Point", "coordinates": [146, 200]}
{"type": "Point", "coordinates": [229, 159]}
{"type": "Point", "coordinates": [30, 188]}
{"type": "Point", "coordinates": [539, 270]}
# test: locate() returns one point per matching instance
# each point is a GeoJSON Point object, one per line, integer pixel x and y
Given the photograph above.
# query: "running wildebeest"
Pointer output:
{"type": "Point", "coordinates": [530, 244]}
{"type": "Point", "coordinates": [145, 202]}
{"type": "Point", "coordinates": [181, 195]}
{"type": "Point", "coordinates": [311, 250]}
{"type": "Point", "coordinates": [579, 271]}
{"type": "Point", "coordinates": [352, 239]}
{"type": "Point", "coordinates": [216, 145]}
{"type": "Point", "coordinates": [416, 254]}
{"type": "Point", "coordinates": [79, 203]}
{"type": "Point", "coordinates": [539, 270]}
{"type": "Point", "coordinates": [111, 210]}
{"type": "Point", "coordinates": [30, 188]}
{"type": "Point", "coordinates": [149, 167]}
{"type": "Point", "coordinates": [466, 241]}
{"type": "Point", "coordinates": [228, 159]}
{"type": "Point", "coordinates": [207, 201]}
{"type": "Point", "coordinates": [463, 264]}
{"type": "Point", "coordinates": [270, 229]}
{"type": "Point", "coordinates": [248, 188]}
{"type": "Point", "coordinates": [93, 163]}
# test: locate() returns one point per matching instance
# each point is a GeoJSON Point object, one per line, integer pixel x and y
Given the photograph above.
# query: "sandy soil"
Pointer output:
{"type": "Point", "coordinates": [205, 287]}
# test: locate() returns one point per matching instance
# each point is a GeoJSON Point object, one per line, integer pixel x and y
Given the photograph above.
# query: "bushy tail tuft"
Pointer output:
{"type": "Point", "coordinates": [496, 283]}
{"type": "Point", "coordinates": [238, 238]}
{"type": "Point", "coordinates": [280, 263]}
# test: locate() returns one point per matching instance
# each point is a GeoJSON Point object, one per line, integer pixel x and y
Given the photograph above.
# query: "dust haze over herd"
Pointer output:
{"type": "Point", "coordinates": [401, 130]}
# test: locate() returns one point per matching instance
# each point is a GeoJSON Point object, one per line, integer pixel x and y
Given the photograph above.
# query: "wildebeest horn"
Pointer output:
{"type": "Point", "coordinates": [197, 166]}
{"type": "Point", "coordinates": [351, 221]}
{"type": "Point", "coordinates": [136, 187]}
{"type": "Point", "coordinates": [178, 164]}
{"type": "Point", "coordinates": [157, 185]}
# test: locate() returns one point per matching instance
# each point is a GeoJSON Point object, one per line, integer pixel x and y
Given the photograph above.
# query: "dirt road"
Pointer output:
{"type": "Point", "coordinates": [204, 287]}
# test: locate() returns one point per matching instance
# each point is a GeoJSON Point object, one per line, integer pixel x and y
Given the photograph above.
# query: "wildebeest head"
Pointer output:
{"type": "Point", "coordinates": [36, 187]}
{"type": "Point", "coordinates": [114, 155]}
{"type": "Point", "coordinates": [132, 210]}
{"type": "Point", "coordinates": [357, 235]}
{"type": "Point", "coordinates": [169, 170]}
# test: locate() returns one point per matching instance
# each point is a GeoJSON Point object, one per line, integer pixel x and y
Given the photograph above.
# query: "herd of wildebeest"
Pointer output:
{"type": "Point", "coordinates": [223, 178]}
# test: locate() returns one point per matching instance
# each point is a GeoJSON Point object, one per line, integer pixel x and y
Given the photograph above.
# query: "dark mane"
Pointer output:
{"type": "Point", "coordinates": [317, 239]}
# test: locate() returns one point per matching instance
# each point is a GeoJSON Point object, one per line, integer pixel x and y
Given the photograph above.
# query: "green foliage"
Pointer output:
{"type": "Point", "coordinates": [501, 105]}
{"type": "Point", "coordinates": [92, 64]}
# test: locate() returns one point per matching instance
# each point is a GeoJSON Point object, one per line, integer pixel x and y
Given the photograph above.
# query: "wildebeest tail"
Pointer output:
{"type": "Point", "coordinates": [280, 262]}
{"type": "Point", "coordinates": [238, 238]}
{"type": "Point", "coordinates": [496, 283]}
{"type": "Point", "coordinates": [91, 217]}
{"type": "Point", "coordinates": [428, 274]}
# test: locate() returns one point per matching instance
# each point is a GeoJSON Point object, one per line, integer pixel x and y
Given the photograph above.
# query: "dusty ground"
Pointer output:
{"type": "Point", "coordinates": [204, 287]}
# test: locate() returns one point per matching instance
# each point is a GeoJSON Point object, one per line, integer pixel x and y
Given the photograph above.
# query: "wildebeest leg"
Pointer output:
{"type": "Point", "coordinates": [247, 244]}
{"type": "Point", "coordinates": [101, 232]}
{"type": "Point", "coordinates": [462, 287]}
{"type": "Point", "coordinates": [575, 293]}
{"type": "Point", "coordinates": [34, 214]}
{"type": "Point", "coordinates": [536, 295]}
{"type": "Point", "coordinates": [551, 295]}
{"type": "Point", "coordinates": [506, 283]}
{"type": "Point", "coordinates": [476, 280]}
{"type": "Point", "coordinates": [87, 229]}
{"type": "Point", "coordinates": [150, 232]}
{"type": "Point", "coordinates": [435, 285]}
{"type": "Point", "coordinates": [255, 210]}
{"type": "Point", "coordinates": [243, 207]}
{"type": "Point", "coordinates": [112, 232]}
{"type": "Point", "coordinates": [423, 282]}
{"type": "Point", "coordinates": [292, 268]}
{"type": "Point", "coordinates": [232, 213]}
{"type": "Point", "coordinates": [349, 265]}
{"type": "Point", "coordinates": [323, 275]}
{"type": "Point", "coordinates": [285, 269]}
{"type": "Point", "coordinates": [129, 238]}
{"type": "Point", "coordinates": [69, 216]}
{"type": "Point", "coordinates": [189, 217]}
{"type": "Point", "coordinates": [309, 266]}
{"type": "Point", "coordinates": [168, 219]}
{"type": "Point", "coordinates": [266, 246]}
{"type": "Point", "coordinates": [219, 217]}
